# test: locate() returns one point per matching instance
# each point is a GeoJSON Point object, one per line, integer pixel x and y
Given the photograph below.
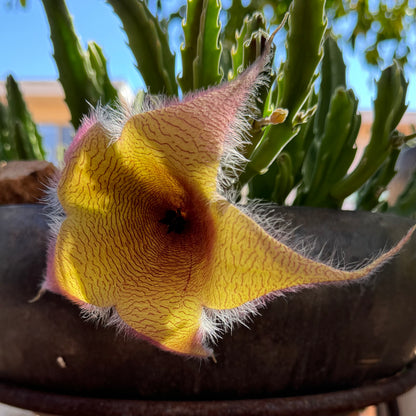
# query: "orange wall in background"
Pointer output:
{"type": "Point", "coordinates": [45, 101]}
{"type": "Point", "coordinates": [48, 110]}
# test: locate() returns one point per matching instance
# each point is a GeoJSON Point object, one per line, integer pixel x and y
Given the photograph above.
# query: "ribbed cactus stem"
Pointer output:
{"type": "Point", "coordinates": [201, 51]}
{"type": "Point", "coordinates": [149, 44]}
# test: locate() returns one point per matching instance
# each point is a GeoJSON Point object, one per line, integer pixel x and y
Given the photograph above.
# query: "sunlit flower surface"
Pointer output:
{"type": "Point", "coordinates": [146, 237]}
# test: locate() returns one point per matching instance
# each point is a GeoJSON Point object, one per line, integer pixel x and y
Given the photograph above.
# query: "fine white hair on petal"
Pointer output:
{"type": "Point", "coordinates": [113, 118]}
{"type": "Point", "coordinates": [99, 315]}
{"type": "Point", "coordinates": [53, 208]}
{"type": "Point", "coordinates": [214, 323]}
{"type": "Point", "coordinates": [232, 162]}
{"type": "Point", "coordinates": [105, 316]}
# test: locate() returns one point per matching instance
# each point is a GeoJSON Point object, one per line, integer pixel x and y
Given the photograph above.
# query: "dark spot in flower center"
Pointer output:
{"type": "Point", "coordinates": [174, 220]}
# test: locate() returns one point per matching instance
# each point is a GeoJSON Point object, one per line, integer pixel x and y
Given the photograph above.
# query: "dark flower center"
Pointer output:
{"type": "Point", "coordinates": [174, 220]}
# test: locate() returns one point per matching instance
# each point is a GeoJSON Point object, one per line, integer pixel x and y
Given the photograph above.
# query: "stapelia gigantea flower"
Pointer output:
{"type": "Point", "coordinates": [145, 235]}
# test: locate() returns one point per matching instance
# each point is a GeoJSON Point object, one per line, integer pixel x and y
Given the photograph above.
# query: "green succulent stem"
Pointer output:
{"type": "Point", "coordinates": [24, 140]}
{"type": "Point", "coordinates": [201, 52]}
{"type": "Point", "coordinates": [149, 44]}
{"type": "Point", "coordinates": [389, 108]}
{"type": "Point", "coordinates": [332, 76]}
{"type": "Point", "coordinates": [249, 43]}
{"type": "Point", "coordinates": [265, 153]}
{"type": "Point", "coordinates": [83, 75]}
{"type": "Point", "coordinates": [294, 81]}
{"type": "Point", "coordinates": [307, 24]}
{"type": "Point", "coordinates": [331, 153]}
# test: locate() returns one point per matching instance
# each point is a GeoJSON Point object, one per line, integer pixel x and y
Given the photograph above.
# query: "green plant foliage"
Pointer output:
{"type": "Point", "coordinates": [279, 181]}
{"type": "Point", "coordinates": [4, 133]}
{"type": "Point", "coordinates": [389, 108]}
{"type": "Point", "coordinates": [303, 149]}
{"type": "Point", "coordinates": [384, 22]}
{"type": "Point", "coordinates": [235, 14]}
{"type": "Point", "coordinates": [83, 75]}
{"type": "Point", "coordinates": [19, 137]}
{"type": "Point", "coordinates": [298, 148]}
{"type": "Point", "coordinates": [149, 44]}
{"type": "Point", "coordinates": [316, 162]}
{"type": "Point", "coordinates": [375, 24]}
{"type": "Point", "coordinates": [331, 151]}
{"type": "Point", "coordinates": [332, 73]}
{"type": "Point", "coordinates": [249, 44]}
{"type": "Point", "coordinates": [294, 81]}
{"type": "Point", "coordinates": [201, 52]}
{"type": "Point", "coordinates": [304, 51]}
{"type": "Point", "coordinates": [98, 63]}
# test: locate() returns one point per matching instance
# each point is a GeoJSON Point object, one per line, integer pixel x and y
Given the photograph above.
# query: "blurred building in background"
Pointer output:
{"type": "Point", "coordinates": [46, 103]}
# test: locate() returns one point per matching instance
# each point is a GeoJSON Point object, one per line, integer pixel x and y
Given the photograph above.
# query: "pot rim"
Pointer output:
{"type": "Point", "coordinates": [383, 390]}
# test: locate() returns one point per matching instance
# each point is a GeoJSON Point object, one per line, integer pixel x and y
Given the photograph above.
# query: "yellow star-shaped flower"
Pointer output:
{"type": "Point", "coordinates": [146, 234]}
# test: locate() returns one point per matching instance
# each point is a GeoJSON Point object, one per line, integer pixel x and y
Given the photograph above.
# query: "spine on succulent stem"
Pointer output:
{"type": "Point", "coordinates": [332, 76]}
{"type": "Point", "coordinates": [104, 87]}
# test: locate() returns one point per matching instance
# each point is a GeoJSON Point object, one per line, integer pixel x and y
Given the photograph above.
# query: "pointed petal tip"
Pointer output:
{"type": "Point", "coordinates": [390, 254]}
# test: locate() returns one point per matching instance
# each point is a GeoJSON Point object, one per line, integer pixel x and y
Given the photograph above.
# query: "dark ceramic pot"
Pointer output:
{"type": "Point", "coordinates": [318, 339]}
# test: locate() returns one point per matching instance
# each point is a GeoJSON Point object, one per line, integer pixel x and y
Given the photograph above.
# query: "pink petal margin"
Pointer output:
{"type": "Point", "coordinates": [86, 124]}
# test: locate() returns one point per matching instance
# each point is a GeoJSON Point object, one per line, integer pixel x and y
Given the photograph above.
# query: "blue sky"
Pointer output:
{"type": "Point", "coordinates": [26, 50]}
